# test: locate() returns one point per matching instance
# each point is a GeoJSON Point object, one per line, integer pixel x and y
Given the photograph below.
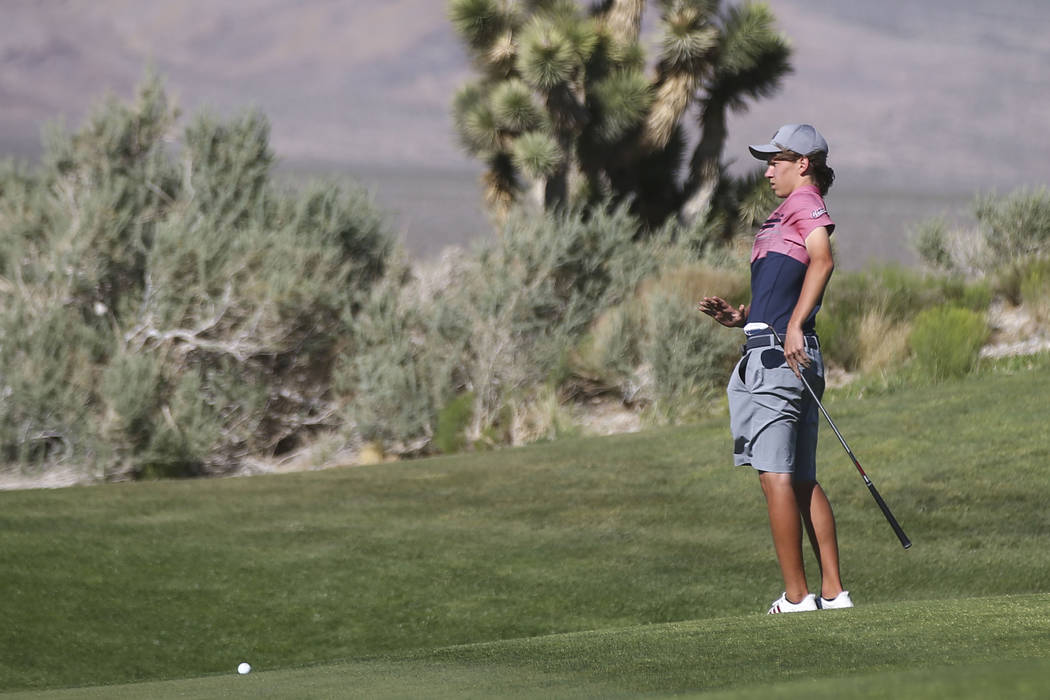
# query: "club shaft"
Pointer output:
{"type": "Point", "coordinates": [905, 541]}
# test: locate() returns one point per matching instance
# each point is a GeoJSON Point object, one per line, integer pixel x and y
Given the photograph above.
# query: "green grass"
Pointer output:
{"type": "Point", "coordinates": [914, 649]}
{"type": "Point", "coordinates": [647, 557]}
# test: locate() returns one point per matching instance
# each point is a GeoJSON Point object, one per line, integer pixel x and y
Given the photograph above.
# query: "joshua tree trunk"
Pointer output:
{"type": "Point", "coordinates": [624, 19]}
{"type": "Point", "coordinates": [705, 168]}
{"type": "Point", "coordinates": [672, 100]}
{"type": "Point", "coordinates": [565, 105]}
{"type": "Point", "coordinates": [499, 185]}
{"type": "Point", "coordinates": [556, 189]}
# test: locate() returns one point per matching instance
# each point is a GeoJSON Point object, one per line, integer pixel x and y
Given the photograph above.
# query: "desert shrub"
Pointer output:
{"type": "Point", "coordinates": [689, 354]}
{"type": "Point", "coordinates": [607, 355]}
{"type": "Point", "coordinates": [617, 352]}
{"type": "Point", "coordinates": [1007, 280]}
{"type": "Point", "coordinates": [130, 392]}
{"type": "Point", "coordinates": [1016, 226]}
{"type": "Point", "coordinates": [974, 295]}
{"type": "Point", "coordinates": [111, 183]}
{"type": "Point", "coordinates": [905, 291]}
{"type": "Point", "coordinates": [169, 311]}
{"type": "Point", "coordinates": [527, 300]}
{"type": "Point", "coordinates": [885, 298]}
{"type": "Point", "coordinates": [693, 280]}
{"type": "Point", "coordinates": [947, 340]}
{"type": "Point", "coordinates": [496, 324]}
{"type": "Point", "coordinates": [1015, 230]}
{"type": "Point", "coordinates": [574, 263]}
{"type": "Point", "coordinates": [228, 167]}
{"type": "Point", "coordinates": [257, 290]}
{"type": "Point", "coordinates": [1034, 288]}
{"type": "Point", "coordinates": [1020, 280]}
{"type": "Point", "coordinates": [394, 374]}
{"type": "Point", "coordinates": [1011, 230]}
{"type": "Point", "coordinates": [848, 298]}
{"type": "Point", "coordinates": [931, 239]}
{"type": "Point", "coordinates": [183, 442]}
{"type": "Point", "coordinates": [836, 330]}
{"type": "Point", "coordinates": [452, 422]}
{"type": "Point", "coordinates": [48, 361]}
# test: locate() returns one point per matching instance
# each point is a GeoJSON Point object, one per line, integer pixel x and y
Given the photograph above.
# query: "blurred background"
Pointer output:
{"type": "Point", "coordinates": [924, 104]}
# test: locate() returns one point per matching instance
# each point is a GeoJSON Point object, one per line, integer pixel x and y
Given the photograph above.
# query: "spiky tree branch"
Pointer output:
{"type": "Point", "coordinates": [752, 59]}
{"type": "Point", "coordinates": [688, 43]}
{"type": "Point", "coordinates": [562, 108]}
{"type": "Point", "coordinates": [623, 19]}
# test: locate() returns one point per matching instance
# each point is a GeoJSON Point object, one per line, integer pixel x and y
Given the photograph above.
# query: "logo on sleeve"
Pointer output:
{"type": "Point", "coordinates": [817, 213]}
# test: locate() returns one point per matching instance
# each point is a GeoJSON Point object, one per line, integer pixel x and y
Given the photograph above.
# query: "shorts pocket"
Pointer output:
{"type": "Point", "coordinates": [773, 358]}
{"type": "Point", "coordinates": [741, 368]}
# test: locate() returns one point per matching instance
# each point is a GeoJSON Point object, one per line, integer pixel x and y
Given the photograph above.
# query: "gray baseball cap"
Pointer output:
{"type": "Point", "coordinates": [800, 138]}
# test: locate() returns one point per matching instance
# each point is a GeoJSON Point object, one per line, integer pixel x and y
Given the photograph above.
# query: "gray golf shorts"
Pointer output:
{"type": "Point", "coordinates": [773, 418]}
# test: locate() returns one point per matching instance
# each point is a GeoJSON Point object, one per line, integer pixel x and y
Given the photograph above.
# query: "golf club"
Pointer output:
{"type": "Point", "coordinates": [905, 542]}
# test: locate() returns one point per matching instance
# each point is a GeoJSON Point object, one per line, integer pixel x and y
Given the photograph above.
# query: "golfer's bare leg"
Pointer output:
{"type": "Point", "coordinates": [820, 525]}
{"type": "Point", "coordinates": [786, 526]}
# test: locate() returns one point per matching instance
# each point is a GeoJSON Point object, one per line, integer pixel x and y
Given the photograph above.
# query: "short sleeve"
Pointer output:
{"type": "Point", "coordinates": [809, 213]}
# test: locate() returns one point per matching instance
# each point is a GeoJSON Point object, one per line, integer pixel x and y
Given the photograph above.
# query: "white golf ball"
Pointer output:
{"type": "Point", "coordinates": [244, 668]}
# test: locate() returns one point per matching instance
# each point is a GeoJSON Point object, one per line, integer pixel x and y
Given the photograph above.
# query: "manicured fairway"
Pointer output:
{"type": "Point", "coordinates": [989, 647]}
{"type": "Point", "coordinates": [631, 564]}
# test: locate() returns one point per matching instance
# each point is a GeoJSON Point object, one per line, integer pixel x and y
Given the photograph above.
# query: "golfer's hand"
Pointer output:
{"type": "Point", "coordinates": [795, 351]}
{"type": "Point", "coordinates": [722, 311]}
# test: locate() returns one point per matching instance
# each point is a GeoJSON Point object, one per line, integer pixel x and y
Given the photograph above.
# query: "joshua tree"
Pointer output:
{"type": "Point", "coordinates": [562, 109]}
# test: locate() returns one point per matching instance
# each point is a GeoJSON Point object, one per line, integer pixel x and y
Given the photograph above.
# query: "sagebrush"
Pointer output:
{"type": "Point", "coordinates": [170, 311]}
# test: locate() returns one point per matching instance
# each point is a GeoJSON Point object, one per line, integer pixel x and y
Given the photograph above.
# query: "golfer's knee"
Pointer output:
{"type": "Point", "coordinates": [774, 482]}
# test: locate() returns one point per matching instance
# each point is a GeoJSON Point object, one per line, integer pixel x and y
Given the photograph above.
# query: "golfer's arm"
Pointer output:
{"type": "Point", "coordinates": [821, 265]}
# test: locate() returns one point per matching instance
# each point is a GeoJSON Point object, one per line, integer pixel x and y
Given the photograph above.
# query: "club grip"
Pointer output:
{"type": "Point", "coordinates": [905, 542]}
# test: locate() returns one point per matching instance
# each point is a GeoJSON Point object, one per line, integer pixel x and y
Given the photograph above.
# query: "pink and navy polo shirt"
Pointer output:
{"type": "Point", "coordinates": [779, 259]}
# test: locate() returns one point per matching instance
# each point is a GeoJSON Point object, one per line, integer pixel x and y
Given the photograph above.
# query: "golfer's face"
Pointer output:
{"type": "Point", "coordinates": [784, 175]}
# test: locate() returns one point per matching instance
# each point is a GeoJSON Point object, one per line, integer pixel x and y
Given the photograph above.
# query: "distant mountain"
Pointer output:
{"type": "Point", "coordinates": [364, 80]}
{"type": "Point", "coordinates": [929, 90]}
{"type": "Point", "coordinates": [932, 95]}
{"type": "Point", "coordinates": [938, 96]}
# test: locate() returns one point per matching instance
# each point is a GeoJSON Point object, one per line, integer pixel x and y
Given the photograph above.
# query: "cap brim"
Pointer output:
{"type": "Point", "coordinates": [765, 151]}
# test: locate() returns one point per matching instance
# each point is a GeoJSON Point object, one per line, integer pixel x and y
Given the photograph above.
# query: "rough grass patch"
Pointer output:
{"type": "Point", "coordinates": [693, 281]}
{"type": "Point", "coordinates": [1035, 289]}
{"type": "Point", "coordinates": [947, 341]}
{"type": "Point", "coordinates": [539, 416]}
{"type": "Point", "coordinates": [609, 352]}
{"type": "Point", "coordinates": [452, 421]}
{"type": "Point", "coordinates": [882, 343]}
{"type": "Point", "coordinates": [861, 306]}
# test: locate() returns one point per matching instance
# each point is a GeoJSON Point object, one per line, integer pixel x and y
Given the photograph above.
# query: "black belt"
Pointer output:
{"type": "Point", "coordinates": [766, 340]}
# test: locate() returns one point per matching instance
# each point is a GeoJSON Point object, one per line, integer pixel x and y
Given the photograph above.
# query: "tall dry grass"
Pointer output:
{"type": "Point", "coordinates": [882, 342]}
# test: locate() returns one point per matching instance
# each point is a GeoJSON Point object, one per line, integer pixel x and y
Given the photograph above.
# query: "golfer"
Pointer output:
{"type": "Point", "coordinates": [773, 418]}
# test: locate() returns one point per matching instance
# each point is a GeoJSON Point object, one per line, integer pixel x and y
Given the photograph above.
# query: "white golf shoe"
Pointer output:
{"type": "Point", "coordinates": [842, 600]}
{"type": "Point", "coordinates": [783, 605]}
